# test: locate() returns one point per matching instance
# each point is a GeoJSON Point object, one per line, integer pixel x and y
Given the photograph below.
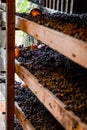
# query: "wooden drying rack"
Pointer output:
{"type": "Point", "coordinates": [71, 47]}
{"type": "Point", "coordinates": [66, 45]}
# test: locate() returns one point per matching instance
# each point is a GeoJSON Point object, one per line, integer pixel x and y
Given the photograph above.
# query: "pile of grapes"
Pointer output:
{"type": "Point", "coordinates": [64, 78]}
{"type": "Point", "coordinates": [74, 25]}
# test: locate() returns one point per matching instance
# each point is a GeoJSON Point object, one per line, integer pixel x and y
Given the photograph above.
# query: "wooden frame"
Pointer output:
{"type": "Point", "coordinates": [10, 46]}
{"type": "Point", "coordinates": [71, 47]}
{"type": "Point", "coordinates": [67, 119]}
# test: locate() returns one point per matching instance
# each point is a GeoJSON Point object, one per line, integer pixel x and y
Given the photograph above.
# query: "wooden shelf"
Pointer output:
{"type": "Point", "coordinates": [68, 119]}
{"type": "Point", "coordinates": [71, 47]}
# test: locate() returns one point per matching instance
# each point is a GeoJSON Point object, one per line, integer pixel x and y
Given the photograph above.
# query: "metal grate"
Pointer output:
{"type": "Point", "coordinates": [60, 5]}
{"type": "Point", "coordinates": [67, 6]}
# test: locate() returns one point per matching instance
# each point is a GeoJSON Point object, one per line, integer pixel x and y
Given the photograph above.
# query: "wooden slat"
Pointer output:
{"type": "Point", "coordinates": [73, 48]}
{"type": "Point", "coordinates": [10, 46]}
{"type": "Point", "coordinates": [26, 125]}
{"type": "Point", "coordinates": [68, 119]}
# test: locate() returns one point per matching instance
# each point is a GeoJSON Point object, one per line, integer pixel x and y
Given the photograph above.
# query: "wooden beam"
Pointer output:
{"type": "Point", "coordinates": [10, 46]}
{"type": "Point", "coordinates": [71, 47]}
{"type": "Point", "coordinates": [26, 125]}
{"type": "Point", "coordinates": [67, 119]}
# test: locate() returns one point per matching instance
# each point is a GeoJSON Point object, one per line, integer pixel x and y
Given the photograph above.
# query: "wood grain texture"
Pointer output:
{"type": "Point", "coordinates": [68, 119]}
{"type": "Point", "coordinates": [10, 46]}
{"type": "Point", "coordinates": [26, 125]}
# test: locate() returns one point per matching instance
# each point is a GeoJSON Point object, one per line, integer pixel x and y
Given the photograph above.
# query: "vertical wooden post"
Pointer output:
{"type": "Point", "coordinates": [10, 46]}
